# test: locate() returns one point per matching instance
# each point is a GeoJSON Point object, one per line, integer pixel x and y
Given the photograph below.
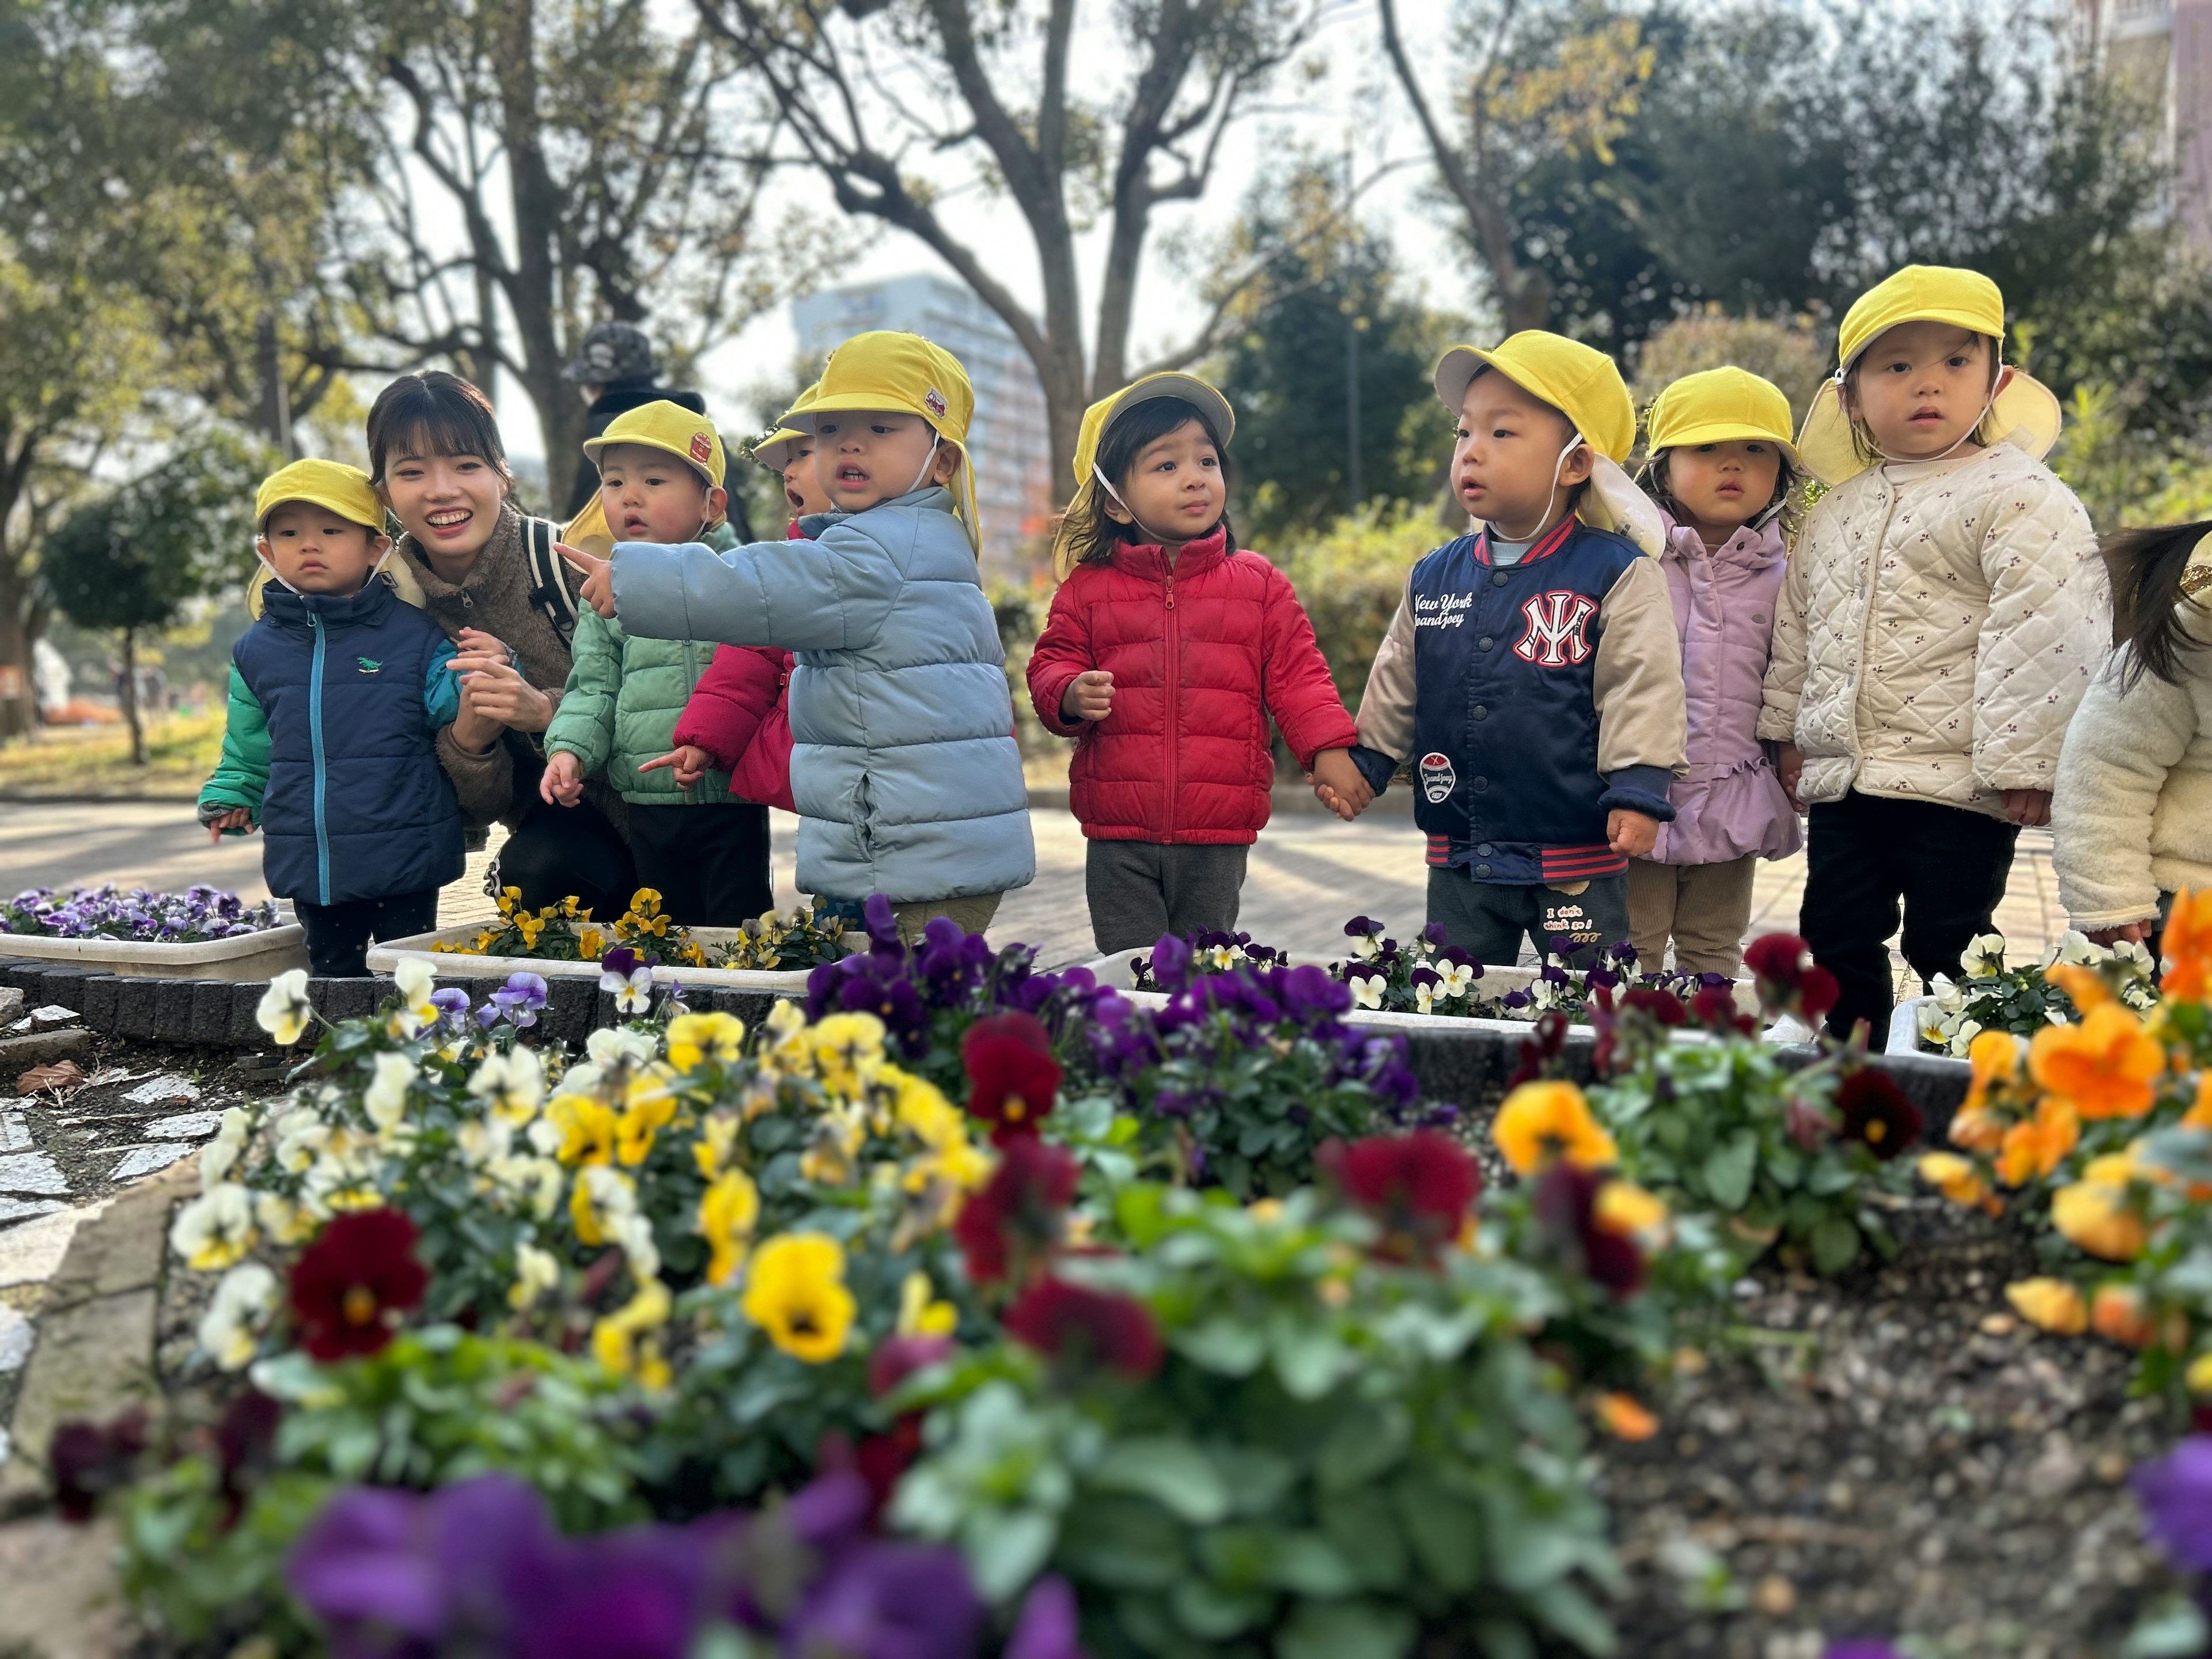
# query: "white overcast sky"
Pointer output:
{"type": "Point", "coordinates": [1355, 102]}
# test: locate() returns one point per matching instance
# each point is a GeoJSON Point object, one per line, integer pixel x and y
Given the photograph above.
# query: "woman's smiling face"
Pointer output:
{"type": "Point", "coordinates": [448, 503]}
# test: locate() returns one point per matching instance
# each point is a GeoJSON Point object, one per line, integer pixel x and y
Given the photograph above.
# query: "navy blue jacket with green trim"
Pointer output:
{"type": "Point", "coordinates": [1506, 716]}
{"type": "Point", "coordinates": [335, 701]}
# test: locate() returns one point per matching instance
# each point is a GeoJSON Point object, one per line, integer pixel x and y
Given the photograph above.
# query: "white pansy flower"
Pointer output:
{"type": "Point", "coordinates": [221, 1154]}
{"type": "Point", "coordinates": [2133, 955]}
{"type": "Point", "coordinates": [1982, 957]}
{"type": "Point", "coordinates": [615, 1046]}
{"type": "Point", "coordinates": [216, 1229]}
{"type": "Point", "coordinates": [1424, 997]}
{"type": "Point", "coordinates": [415, 979]}
{"type": "Point", "coordinates": [1365, 947]}
{"type": "Point", "coordinates": [385, 1100]}
{"type": "Point", "coordinates": [485, 1141]}
{"type": "Point", "coordinates": [2077, 948]}
{"type": "Point", "coordinates": [536, 1272]}
{"type": "Point", "coordinates": [281, 1219]}
{"type": "Point", "coordinates": [1948, 996]}
{"type": "Point", "coordinates": [301, 1136]}
{"type": "Point", "coordinates": [284, 1009]}
{"type": "Point", "coordinates": [512, 1085]}
{"type": "Point", "coordinates": [546, 1136]}
{"type": "Point", "coordinates": [1456, 977]}
{"type": "Point", "coordinates": [539, 1180]}
{"type": "Point", "coordinates": [1367, 989]}
{"type": "Point", "coordinates": [243, 1302]}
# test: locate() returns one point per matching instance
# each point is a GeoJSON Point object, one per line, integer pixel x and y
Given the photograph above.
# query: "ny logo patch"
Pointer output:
{"type": "Point", "coordinates": [1556, 620]}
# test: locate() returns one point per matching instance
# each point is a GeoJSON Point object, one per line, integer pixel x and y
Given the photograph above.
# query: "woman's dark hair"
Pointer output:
{"type": "Point", "coordinates": [2149, 587]}
{"type": "Point", "coordinates": [1125, 436]}
{"type": "Point", "coordinates": [431, 412]}
{"type": "Point", "coordinates": [1788, 491]}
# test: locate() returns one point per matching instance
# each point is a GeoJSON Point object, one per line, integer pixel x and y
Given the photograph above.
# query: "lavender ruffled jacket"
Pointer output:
{"type": "Point", "coordinates": [1731, 802]}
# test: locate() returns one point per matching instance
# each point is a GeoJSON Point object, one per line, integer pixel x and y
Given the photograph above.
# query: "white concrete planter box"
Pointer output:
{"type": "Point", "coordinates": [384, 957]}
{"type": "Point", "coordinates": [247, 957]}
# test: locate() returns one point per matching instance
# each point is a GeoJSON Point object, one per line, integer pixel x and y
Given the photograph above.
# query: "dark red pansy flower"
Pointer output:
{"type": "Point", "coordinates": [1080, 1327]}
{"type": "Point", "coordinates": [881, 1459]}
{"type": "Point", "coordinates": [1540, 1050]}
{"type": "Point", "coordinates": [1662, 1006]}
{"type": "Point", "coordinates": [1017, 1217]}
{"type": "Point", "coordinates": [1566, 1208]}
{"type": "Point", "coordinates": [1419, 1186]}
{"type": "Point", "coordinates": [1788, 977]}
{"type": "Point", "coordinates": [1877, 1112]}
{"type": "Point", "coordinates": [351, 1285]}
{"type": "Point", "coordinates": [245, 1448]}
{"type": "Point", "coordinates": [1012, 1077]}
{"type": "Point", "coordinates": [89, 1460]}
{"type": "Point", "coordinates": [1714, 1008]}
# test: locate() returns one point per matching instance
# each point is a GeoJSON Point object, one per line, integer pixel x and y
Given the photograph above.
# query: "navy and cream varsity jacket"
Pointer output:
{"type": "Point", "coordinates": [1532, 699]}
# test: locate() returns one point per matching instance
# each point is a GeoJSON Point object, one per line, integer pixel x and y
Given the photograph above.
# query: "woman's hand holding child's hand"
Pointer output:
{"type": "Point", "coordinates": [1634, 834]}
{"type": "Point", "coordinates": [598, 589]}
{"type": "Point", "coordinates": [689, 760]}
{"type": "Point", "coordinates": [1089, 697]}
{"type": "Point", "coordinates": [564, 780]}
{"type": "Point", "coordinates": [1339, 785]}
{"type": "Point", "coordinates": [2137, 932]}
{"type": "Point", "coordinates": [2029, 808]}
{"type": "Point", "coordinates": [492, 690]}
{"type": "Point", "coordinates": [239, 818]}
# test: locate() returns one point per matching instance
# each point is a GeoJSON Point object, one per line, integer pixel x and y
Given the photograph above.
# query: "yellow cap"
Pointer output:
{"type": "Point", "coordinates": [345, 490]}
{"type": "Point", "coordinates": [888, 369]}
{"type": "Point", "coordinates": [588, 532]}
{"type": "Point", "coordinates": [1074, 542]}
{"type": "Point", "coordinates": [774, 451]}
{"type": "Point", "coordinates": [670, 428]}
{"type": "Point", "coordinates": [2024, 413]}
{"type": "Point", "coordinates": [1719, 406]}
{"type": "Point", "coordinates": [1579, 381]}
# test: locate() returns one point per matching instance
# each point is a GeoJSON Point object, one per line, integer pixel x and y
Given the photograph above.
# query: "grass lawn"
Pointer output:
{"type": "Point", "coordinates": [95, 760]}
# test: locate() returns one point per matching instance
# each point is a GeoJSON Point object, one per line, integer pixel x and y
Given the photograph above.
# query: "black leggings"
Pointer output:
{"type": "Point", "coordinates": [559, 852]}
{"type": "Point", "coordinates": [338, 934]}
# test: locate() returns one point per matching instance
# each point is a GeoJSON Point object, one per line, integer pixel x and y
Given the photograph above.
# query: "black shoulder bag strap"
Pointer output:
{"type": "Point", "coordinates": [549, 593]}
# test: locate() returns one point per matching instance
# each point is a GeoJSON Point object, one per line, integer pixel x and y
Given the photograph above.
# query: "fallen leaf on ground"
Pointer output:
{"type": "Point", "coordinates": [61, 1074]}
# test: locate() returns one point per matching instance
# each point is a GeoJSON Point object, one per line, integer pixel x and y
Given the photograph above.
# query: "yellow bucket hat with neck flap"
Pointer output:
{"type": "Point", "coordinates": [2024, 412]}
{"type": "Point", "coordinates": [889, 370]}
{"type": "Point", "coordinates": [774, 451]}
{"type": "Point", "coordinates": [1583, 384]}
{"type": "Point", "coordinates": [1076, 537]}
{"type": "Point", "coordinates": [685, 433]}
{"type": "Point", "coordinates": [343, 489]}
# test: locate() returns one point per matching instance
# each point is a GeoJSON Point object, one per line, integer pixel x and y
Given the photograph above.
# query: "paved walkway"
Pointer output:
{"type": "Point", "coordinates": [1309, 874]}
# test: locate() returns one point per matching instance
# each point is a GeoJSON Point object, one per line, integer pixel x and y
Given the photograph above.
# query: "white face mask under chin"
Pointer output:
{"type": "Point", "coordinates": [1504, 534]}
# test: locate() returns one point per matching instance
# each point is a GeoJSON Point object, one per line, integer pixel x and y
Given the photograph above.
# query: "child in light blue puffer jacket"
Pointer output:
{"type": "Point", "coordinates": [904, 768]}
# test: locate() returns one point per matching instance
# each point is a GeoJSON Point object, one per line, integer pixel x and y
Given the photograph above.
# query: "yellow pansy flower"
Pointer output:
{"type": "Point", "coordinates": [696, 1037]}
{"type": "Point", "coordinates": [921, 1314]}
{"type": "Point", "coordinates": [2050, 1304]}
{"type": "Point", "coordinates": [614, 1342]}
{"type": "Point", "coordinates": [1540, 1121]}
{"type": "Point", "coordinates": [795, 1292]}
{"type": "Point", "coordinates": [728, 1211]}
{"type": "Point", "coordinates": [587, 1127]}
{"type": "Point", "coordinates": [2096, 1216]}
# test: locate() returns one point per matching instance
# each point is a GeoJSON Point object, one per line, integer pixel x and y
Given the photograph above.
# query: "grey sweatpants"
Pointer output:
{"type": "Point", "coordinates": [1141, 890]}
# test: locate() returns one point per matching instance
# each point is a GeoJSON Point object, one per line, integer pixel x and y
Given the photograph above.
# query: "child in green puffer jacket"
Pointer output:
{"type": "Point", "coordinates": [703, 850]}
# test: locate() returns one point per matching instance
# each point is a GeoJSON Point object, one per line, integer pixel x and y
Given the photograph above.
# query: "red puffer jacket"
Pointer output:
{"type": "Point", "coordinates": [1200, 656]}
{"type": "Point", "coordinates": [740, 713]}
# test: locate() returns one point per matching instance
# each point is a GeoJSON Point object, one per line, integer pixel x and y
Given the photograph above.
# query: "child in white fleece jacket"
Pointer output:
{"type": "Point", "coordinates": [2132, 816]}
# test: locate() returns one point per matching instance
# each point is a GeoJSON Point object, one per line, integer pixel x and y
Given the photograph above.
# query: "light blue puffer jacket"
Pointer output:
{"type": "Point", "coordinates": [904, 768]}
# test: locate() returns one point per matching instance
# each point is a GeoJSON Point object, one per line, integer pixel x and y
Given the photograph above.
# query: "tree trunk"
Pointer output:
{"type": "Point", "coordinates": [18, 682]}
{"type": "Point", "coordinates": [130, 696]}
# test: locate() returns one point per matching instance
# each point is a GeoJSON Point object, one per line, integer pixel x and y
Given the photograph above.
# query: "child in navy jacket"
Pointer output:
{"type": "Point", "coordinates": [1531, 674]}
{"type": "Point", "coordinates": [336, 697]}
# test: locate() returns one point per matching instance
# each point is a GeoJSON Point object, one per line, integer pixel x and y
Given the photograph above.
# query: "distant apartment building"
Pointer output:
{"type": "Point", "coordinates": [1007, 440]}
{"type": "Point", "coordinates": [2166, 46]}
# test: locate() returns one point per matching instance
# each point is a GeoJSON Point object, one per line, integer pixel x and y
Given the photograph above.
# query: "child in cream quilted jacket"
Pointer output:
{"type": "Point", "coordinates": [1942, 617]}
{"type": "Point", "coordinates": [2132, 817]}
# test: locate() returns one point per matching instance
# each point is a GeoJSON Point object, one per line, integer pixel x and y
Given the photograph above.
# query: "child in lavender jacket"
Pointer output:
{"type": "Point", "coordinates": [1722, 469]}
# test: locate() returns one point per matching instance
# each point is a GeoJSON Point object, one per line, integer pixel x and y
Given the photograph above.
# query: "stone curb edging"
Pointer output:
{"type": "Point", "coordinates": [219, 1013]}
{"type": "Point", "coordinates": [93, 1355]}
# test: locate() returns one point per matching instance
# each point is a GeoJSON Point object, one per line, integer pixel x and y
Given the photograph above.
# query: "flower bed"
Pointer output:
{"type": "Point", "coordinates": [1185, 1328]}
{"type": "Point", "coordinates": [202, 932]}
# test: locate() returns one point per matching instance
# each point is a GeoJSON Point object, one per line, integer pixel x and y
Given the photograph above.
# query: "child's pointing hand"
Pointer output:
{"type": "Point", "coordinates": [598, 589]}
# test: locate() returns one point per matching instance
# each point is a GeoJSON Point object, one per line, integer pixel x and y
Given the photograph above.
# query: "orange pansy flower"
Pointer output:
{"type": "Point", "coordinates": [2105, 1064]}
{"type": "Point", "coordinates": [2037, 1146]}
{"type": "Point", "coordinates": [2187, 942]}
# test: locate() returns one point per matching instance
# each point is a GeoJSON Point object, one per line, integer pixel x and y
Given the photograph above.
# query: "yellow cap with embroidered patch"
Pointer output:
{"type": "Point", "coordinates": [774, 451]}
{"type": "Point", "coordinates": [2024, 412]}
{"type": "Point", "coordinates": [1579, 381]}
{"type": "Point", "coordinates": [343, 489]}
{"type": "Point", "coordinates": [1720, 405]}
{"type": "Point", "coordinates": [893, 372]}
{"type": "Point", "coordinates": [1075, 540]}
{"type": "Point", "coordinates": [668, 427]}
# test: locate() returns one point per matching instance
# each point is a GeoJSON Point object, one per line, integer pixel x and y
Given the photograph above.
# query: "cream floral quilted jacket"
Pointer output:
{"type": "Point", "coordinates": [1939, 623]}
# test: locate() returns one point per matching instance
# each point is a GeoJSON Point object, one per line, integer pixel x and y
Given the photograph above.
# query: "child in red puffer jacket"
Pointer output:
{"type": "Point", "coordinates": [1166, 652]}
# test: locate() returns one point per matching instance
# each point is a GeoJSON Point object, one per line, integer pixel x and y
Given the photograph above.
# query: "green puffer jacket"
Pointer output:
{"type": "Point", "coordinates": [621, 705]}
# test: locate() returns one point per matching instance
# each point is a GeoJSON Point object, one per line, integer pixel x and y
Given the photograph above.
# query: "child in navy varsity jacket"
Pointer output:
{"type": "Point", "coordinates": [336, 697]}
{"type": "Point", "coordinates": [1532, 674]}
